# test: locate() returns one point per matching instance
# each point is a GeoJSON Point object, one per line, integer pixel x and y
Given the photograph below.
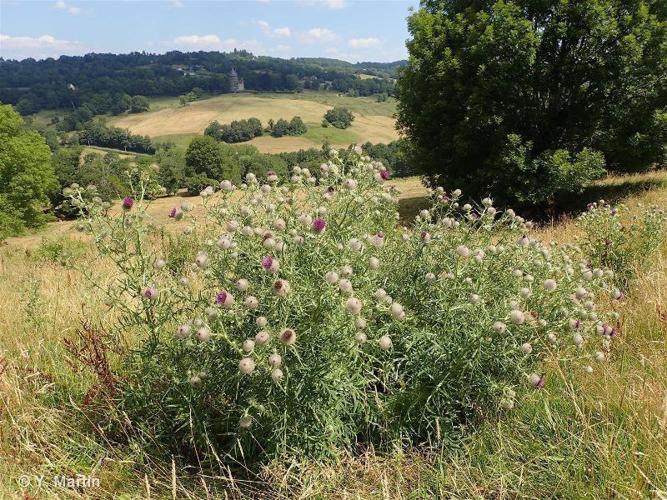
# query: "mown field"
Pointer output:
{"type": "Point", "coordinates": [169, 121]}
{"type": "Point", "coordinates": [601, 436]}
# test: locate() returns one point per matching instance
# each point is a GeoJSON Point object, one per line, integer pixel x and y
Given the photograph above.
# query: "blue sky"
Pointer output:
{"type": "Point", "coordinates": [365, 30]}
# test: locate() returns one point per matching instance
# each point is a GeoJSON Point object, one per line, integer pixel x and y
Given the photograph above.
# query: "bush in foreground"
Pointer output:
{"type": "Point", "coordinates": [308, 322]}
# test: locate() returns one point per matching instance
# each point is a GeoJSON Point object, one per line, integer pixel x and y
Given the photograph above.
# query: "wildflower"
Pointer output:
{"type": "Point", "coordinates": [245, 422]}
{"type": "Point", "coordinates": [384, 173]}
{"type": "Point", "coordinates": [397, 311]}
{"type": "Point", "coordinates": [360, 323]}
{"type": "Point", "coordinates": [377, 240]}
{"type": "Point", "coordinates": [552, 338]}
{"type": "Point", "coordinates": [374, 263]}
{"type": "Point", "coordinates": [225, 242]}
{"type": "Point", "coordinates": [588, 369]}
{"type": "Point", "coordinates": [507, 404]}
{"type": "Point", "coordinates": [182, 331]}
{"type": "Point", "coordinates": [251, 302]}
{"type": "Point", "coordinates": [617, 294]}
{"type": "Point", "coordinates": [248, 345]}
{"type": "Point", "coordinates": [380, 294]}
{"type": "Point", "coordinates": [194, 380]}
{"type": "Point", "coordinates": [262, 337]}
{"type": "Point", "coordinates": [279, 224]}
{"type": "Point", "coordinates": [463, 251]}
{"type": "Point", "coordinates": [271, 264]}
{"type": "Point", "coordinates": [487, 202]}
{"type": "Point", "coordinates": [385, 343]}
{"type": "Point", "coordinates": [588, 275]}
{"type": "Point", "coordinates": [526, 348]}
{"type": "Point", "coordinates": [319, 225]}
{"type": "Point", "coordinates": [261, 321]}
{"type": "Point", "coordinates": [150, 293]}
{"type": "Point", "coordinates": [430, 277]}
{"type": "Point", "coordinates": [128, 203]}
{"type": "Point", "coordinates": [269, 243]}
{"type": "Point", "coordinates": [425, 214]}
{"type": "Point", "coordinates": [201, 260]}
{"type": "Point", "coordinates": [281, 288]}
{"type": "Point", "coordinates": [355, 245]}
{"type": "Point", "coordinates": [524, 241]}
{"type": "Point", "coordinates": [176, 213]}
{"type": "Point", "coordinates": [580, 293]}
{"type": "Point", "coordinates": [186, 207]}
{"type": "Point", "coordinates": [160, 263]}
{"type": "Point", "coordinates": [203, 334]}
{"type": "Point", "coordinates": [277, 375]}
{"type": "Point", "coordinates": [525, 292]}
{"type": "Point", "coordinates": [305, 220]}
{"type": "Point", "coordinates": [350, 184]}
{"type": "Point", "coordinates": [360, 337]}
{"type": "Point", "coordinates": [575, 324]}
{"type": "Point", "coordinates": [353, 305]}
{"type": "Point", "coordinates": [550, 284]}
{"type": "Point", "coordinates": [271, 176]}
{"type": "Point", "coordinates": [345, 286]}
{"type": "Point", "coordinates": [331, 277]}
{"type": "Point", "coordinates": [242, 285]}
{"type": "Point", "coordinates": [537, 381]}
{"type": "Point", "coordinates": [226, 186]}
{"type": "Point", "coordinates": [499, 327]}
{"type": "Point", "coordinates": [517, 317]}
{"type": "Point", "coordinates": [275, 360]}
{"type": "Point", "coordinates": [246, 366]}
{"type": "Point", "coordinates": [232, 226]}
{"type": "Point", "coordinates": [578, 340]}
{"type": "Point", "coordinates": [474, 298]}
{"type": "Point", "coordinates": [425, 237]}
{"type": "Point", "coordinates": [225, 299]}
{"type": "Point", "coordinates": [467, 207]}
{"type": "Point", "coordinates": [599, 356]}
{"type": "Point", "coordinates": [288, 336]}
{"type": "Point", "coordinates": [211, 313]}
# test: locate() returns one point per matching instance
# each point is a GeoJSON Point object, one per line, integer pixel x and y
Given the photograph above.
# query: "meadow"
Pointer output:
{"type": "Point", "coordinates": [169, 121]}
{"type": "Point", "coordinates": [584, 436]}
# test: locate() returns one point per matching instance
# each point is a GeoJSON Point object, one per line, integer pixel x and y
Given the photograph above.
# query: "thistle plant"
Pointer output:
{"type": "Point", "coordinates": [297, 317]}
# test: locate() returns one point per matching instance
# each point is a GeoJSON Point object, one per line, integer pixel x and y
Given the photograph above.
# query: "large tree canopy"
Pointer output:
{"type": "Point", "coordinates": [26, 174]}
{"type": "Point", "coordinates": [522, 98]}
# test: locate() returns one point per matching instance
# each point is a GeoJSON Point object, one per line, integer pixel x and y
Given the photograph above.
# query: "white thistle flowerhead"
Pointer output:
{"type": "Point", "coordinates": [474, 299]}
{"type": "Point", "coordinates": [487, 202]}
{"type": "Point", "coordinates": [499, 327]}
{"type": "Point", "coordinates": [385, 342]}
{"type": "Point", "coordinates": [242, 285]}
{"type": "Point", "coordinates": [262, 337]}
{"type": "Point", "coordinates": [261, 321]}
{"type": "Point", "coordinates": [518, 273]}
{"type": "Point", "coordinates": [277, 375]}
{"type": "Point", "coordinates": [288, 336]}
{"type": "Point", "coordinates": [581, 293]}
{"type": "Point", "coordinates": [346, 271]}
{"type": "Point", "coordinates": [225, 243]}
{"type": "Point", "coordinates": [588, 369]}
{"type": "Point", "coordinates": [211, 312]}
{"type": "Point", "coordinates": [397, 311]}
{"type": "Point", "coordinates": [374, 263]}
{"type": "Point", "coordinates": [248, 345]}
{"type": "Point", "coordinates": [160, 263]}
{"type": "Point", "coordinates": [463, 251]}
{"type": "Point", "coordinates": [587, 275]}
{"type": "Point", "coordinates": [552, 338]}
{"type": "Point", "coordinates": [525, 292]}
{"type": "Point", "coordinates": [360, 323]}
{"type": "Point", "coordinates": [526, 348]}
{"type": "Point", "coordinates": [279, 224]}
{"type": "Point", "coordinates": [247, 366]}
{"type": "Point", "coordinates": [467, 207]}
{"type": "Point", "coordinates": [377, 240]}
{"type": "Point", "coordinates": [380, 294]}
{"type": "Point", "coordinates": [535, 380]}
{"type": "Point", "coordinates": [331, 277]}
{"type": "Point", "coordinates": [524, 241]}
{"type": "Point", "coordinates": [550, 284]}
{"type": "Point", "coordinates": [350, 184]}
{"type": "Point", "coordinates": [360, 338]}
{"type": "Point", "coordinates": [184, 281]}
{"type": "Point", "coordinates": [281, 288]}
{"type": "Point", "coordinates": [578, 340]}
{"type": "Point", "coordinates": [355, 245]}
{"type": "Point", "coordinates": [345, 286]}
{"type": "Point", "coordinates": [275, 360]}
{"type": "Point", "coordinates": [226, 186]}
{"type": "Point", "coordinates": [517, 317]}
{"type": "Point", "coordinates": [456, 193]}
{"type": "Point", "coordinates": [182, 331]}
{"type": "Point", "coordinates": [203, 334]}
{"type": "Point", "coordinates": [353, 305]}
{"type": "Point", "coordinates": [425, 214]}
{"type": "Point", "coordinates": [232, 226]}
{"type": "Point", "coordinates": [430, 277]}
{"type": "Point", "coordinates": [306, 220]}
{"type": "Point", "coordinates": [245, 422]}
{"type": "Point", "coordinates": [201, 260]}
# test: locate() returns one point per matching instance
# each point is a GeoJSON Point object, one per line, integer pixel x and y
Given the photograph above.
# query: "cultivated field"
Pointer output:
{"type": "Point", "coordinates": [373, 122]}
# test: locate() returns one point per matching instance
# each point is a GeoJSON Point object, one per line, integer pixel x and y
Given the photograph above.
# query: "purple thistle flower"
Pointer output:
{"type": "Point", "coordinates": [319, 225]}
{"type": "Point", "coordinates": [221, 297]}
{"type": "Point", "coordinates": [385, 175]}
{"type": "Point", "coordinates": [539, 384]}
{"type": "Point", "coordinates": [267, 262]}
{"type": "Point", "coordinates": [128, 202]}
{"type": "Point", "coordinates": [150, 293]}
{"type": "Point", "coordinates": [172, 213]}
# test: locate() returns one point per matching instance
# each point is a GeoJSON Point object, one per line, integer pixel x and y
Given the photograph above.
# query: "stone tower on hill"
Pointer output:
{"type": "Point", "coordinates": [235, 83]}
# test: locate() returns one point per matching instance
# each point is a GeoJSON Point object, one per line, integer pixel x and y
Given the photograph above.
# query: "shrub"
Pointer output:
{"type": "Point", "coordinates": [339, 117]}
{"type": "Point", "coordinates": [309, 322]}
{"type": "Point", "coordinates": [62, 250]}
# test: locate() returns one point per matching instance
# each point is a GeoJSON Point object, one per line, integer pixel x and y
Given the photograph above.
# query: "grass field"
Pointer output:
{"type": "Point", "coordinates": [168, 121]}
{"type": "Point", "coordinates": [599, 437]}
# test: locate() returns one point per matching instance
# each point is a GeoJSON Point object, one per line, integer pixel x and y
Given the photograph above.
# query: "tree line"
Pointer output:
{"type": "Point", "coordinates": [246, 130]}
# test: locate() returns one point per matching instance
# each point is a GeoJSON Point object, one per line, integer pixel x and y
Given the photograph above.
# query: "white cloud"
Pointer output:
{"type": "Point", "coordinates": [38, 47]}
{"type": "Point", "coordinates": [268, 31]}
{"type": "Point", "coordinates": [175, 4]}
{"type": "Point", "coordinates": [363, 43]}
{"type": "Point", "coordinates": [329, 4]}
{"type": "Point", "coordinates": [318, 35]}
{"type": "Point", "coordinates": [212, 42]}
{"type": "Point", "coordinates": [200, 40]}
{"type": "Point", "coordinates": [61, 5]}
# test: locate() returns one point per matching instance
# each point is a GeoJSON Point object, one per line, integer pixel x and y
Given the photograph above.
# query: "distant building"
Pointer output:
{"type": "Point", "coordinates": [235, 83]}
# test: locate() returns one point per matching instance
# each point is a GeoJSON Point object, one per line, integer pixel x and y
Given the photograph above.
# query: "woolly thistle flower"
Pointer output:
{"type": "Point", "coordinates": [524, 241]}
{"type": "Point", "coordinates": [580, 293]}
{"type": "Point", "coordinates": [279, 224]}
{"type": "Point", "coordinates": [525, 292]}
{"type": "Point", "coordinates": [588, 275]}
{"type": "Point", "coordinates": [245, 422]}
{"type": "Point", "coordinates": [384, 174]}
{"type": "Point", "coordinates": [617, 294]}
{"type": "Point", "coordinates": [517, 317]}
{"type": "Point", "coordinates": [271, 264]}
{"type": "Point", "coordinates": [271, 176]}
{"type": "Point", "coordinates": [248, 345]}
{"type": "Point", "coordinates": [552, 338]}
{"type": "Point", "coordinates": [588, 369]}
{"type": "Point", "coordinates": [345, 286]}
{"type": "Point", "coordinates": [487, 202]}
{"type": "Point", "coordinates": [353, 305]}
{"type": "Point", "coordinates": [537, 381]}
{"type": "Point", "coordinates": [397, 311]}
{"type": "Point", "coordinates": [350, 184]}
{"type": "Point", "coordinates": [277, 375]}
{"type": "Point", "coordinates": [474, 299]}
{"type": "Point", "coordinates": [211, 313]}
{"type": "Point", "coordinates": [385, 342]}
{"type": "Point", "coordinates": [355, 245]}
{"type": "Point", "coordinates": [425, 214]}
{"type": "Point", "coordinates": [463, 251]}
{"type": "Point", "coordinates": [425, 237]}
{"type": "Point", "coordinates": [319, 225]}
{"type": "Point", "coordinates": [225, 243]}
{"type": "Point", "coordinates": [526, 348]}
{"type": "Point", "coordinates": [201, 260]}
{"type": "Point", "coordinates": [360, 323]}
{"type": "Point", "coordinates": [374, 263]}
{"type": "Point", "coordinates": [499, 327]}
{"type": "Point", "coordinates": [182, 331]}
{"type": "Point", "coordinates": [305, 220]}
{"type": "Point", "coordinates": [128, 203]}
{"type": "Point", "coordinates": [380, 294]}
{"type": "Point", "coordinates": [246, 366]}
{"type": "Point", "coordinates": [242, 285]}
{"type": "Point", "coordinates": [288, 336]}
{"type": "Point", "coordinates": [275, 360]}
{"type": "Point", "coordinates": [550, 284]}
{"type": "Point", "coordinates": [160, 263]}
{"type": "Point", "coordinates": [377, 240]}
{"type": "Point", "coordinates": [261, 321]}
{"type": "Point", "coordinates": [281, 288]}
{"type": "Point", "coordinates": [150, 293]}
{"type": "Point", "coordinates": [203, 334]}
{"type": "Point", "coordinates": [261, 338]}
{"type": "Point", "coordinates": [360, 338]}
{"type": "Point", "coordinates": [331, 277]}
{"type": "Point", "coordinates": [575, 324]}
{"type": "Point", "coordinates": [578, 340]}
{"type": "Point", "coordinates": [176, 213]}
{"type": "Point", "coordinates": [251, 302]}
{"type": "Point", "coordinates": [224, 299]}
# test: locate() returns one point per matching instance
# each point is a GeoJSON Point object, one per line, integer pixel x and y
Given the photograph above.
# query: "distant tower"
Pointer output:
{"type": "Point", "coordinates": [234, 84]}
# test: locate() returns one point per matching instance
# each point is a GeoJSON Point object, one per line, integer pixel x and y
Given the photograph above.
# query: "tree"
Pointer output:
{"type": "Point", "coordinates": [339, 117]}
{"type": "Point", "coordinates": [26, 174]}
{"type": "Point", "coordinates": [139, 104]}
{"type": "Point", "coordinates": [280, 128]}
{"type": "Point", "coordinates": [297, 127]}
{"type": "Point", "coordinates": [204, 157]}
{"type": "Point", "coordinates": [499, 96]}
